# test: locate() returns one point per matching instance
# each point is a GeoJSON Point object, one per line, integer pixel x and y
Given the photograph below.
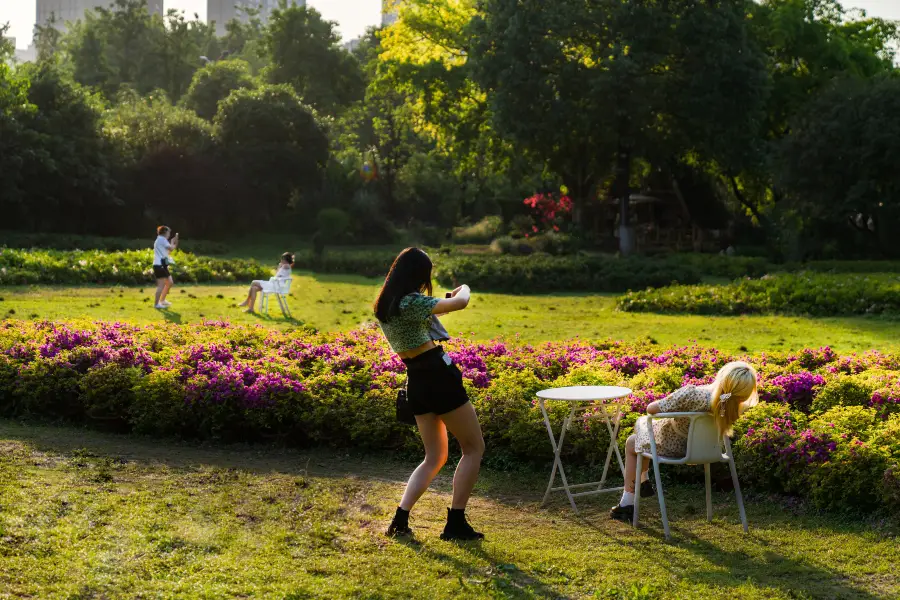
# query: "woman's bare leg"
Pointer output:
{"type": "Point", "coordinates": [631, 463]}
{"type": "Point", "coordinates": [160, 286]}
{"type": "Point", "coordinates": [246, 301]}
{"type": "Point", "coordinates": [166, 287]}
{"type": "Point", "coordinates": [434, 437]}
{"type": "Point", "coordinates": [463, 424]}
{"type": "Point", "coordinates": [251, 300]}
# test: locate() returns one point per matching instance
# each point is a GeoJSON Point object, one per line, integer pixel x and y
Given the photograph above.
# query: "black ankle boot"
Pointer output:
{"type": "Point", "coordinates": [458, 528]}
{"type": "Point", "coordinates": [400, 525]}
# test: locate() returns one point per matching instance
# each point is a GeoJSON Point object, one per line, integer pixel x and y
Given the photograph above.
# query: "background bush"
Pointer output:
{"type": "Point", "coordinates": [56, 241]}
{"type": "Point", "coordinates": [542, 273]}
{"type": "Point", "coordinates": [133, 267]}
{"type": "Point", "coordinates": [249, 384]}
{"type": "Point", "coordinates": [804, 293]}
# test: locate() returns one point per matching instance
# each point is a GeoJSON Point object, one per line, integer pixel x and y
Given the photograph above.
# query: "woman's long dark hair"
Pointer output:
{"type": "Point", "coordinates": [410, 273]}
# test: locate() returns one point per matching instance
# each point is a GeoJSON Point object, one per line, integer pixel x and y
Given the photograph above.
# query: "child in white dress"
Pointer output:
{"type": "Point", "coordinates": [733, 391]}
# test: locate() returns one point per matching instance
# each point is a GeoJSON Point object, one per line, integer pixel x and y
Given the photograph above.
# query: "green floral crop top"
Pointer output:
{"type": "Point", "coordinates": [412, 327]}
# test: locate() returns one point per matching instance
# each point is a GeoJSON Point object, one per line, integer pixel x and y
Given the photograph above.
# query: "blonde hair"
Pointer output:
{"type": "Point", "coordinates": [733, 390]}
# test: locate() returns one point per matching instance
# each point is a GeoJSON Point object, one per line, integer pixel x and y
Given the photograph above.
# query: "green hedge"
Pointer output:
{"type": "Point", "coordinates": [53, 241]}
{"type": "Point", "coordinates": [52, 267]}
{"type": "Point", "coordinates": [366, 263]}
{"type": "Point", "coordinates": [542, 273]}
{"type": "Point", "coordinates": [805, 293]}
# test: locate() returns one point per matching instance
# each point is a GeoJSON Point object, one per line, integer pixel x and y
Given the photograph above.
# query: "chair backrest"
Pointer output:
{"type": "Point", "coordinates": [281, 285]}
{"type": "Point", "coordinates": [704, 442]}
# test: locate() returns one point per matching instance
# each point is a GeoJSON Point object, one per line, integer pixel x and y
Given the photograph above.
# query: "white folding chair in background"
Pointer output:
{"type": "Point", "coordinates": [704, 447]}
{"type": "Point", "coordinates": [279, 287]}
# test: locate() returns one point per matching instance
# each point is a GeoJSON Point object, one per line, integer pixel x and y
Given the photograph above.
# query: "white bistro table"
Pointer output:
{"type": "Point", "coordinates": [611, 399]}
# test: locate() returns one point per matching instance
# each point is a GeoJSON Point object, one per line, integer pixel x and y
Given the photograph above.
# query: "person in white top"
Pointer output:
{"type": "Point", "coordinates": [165, 243]}
{"type": "Point", "coordinates": [283, 272]}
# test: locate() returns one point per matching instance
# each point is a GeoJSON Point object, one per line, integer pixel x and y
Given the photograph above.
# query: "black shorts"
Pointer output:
{"type": "Point", "coordinates": [433, 386]}
{"type": "Point", "coordinates": [161, 271]}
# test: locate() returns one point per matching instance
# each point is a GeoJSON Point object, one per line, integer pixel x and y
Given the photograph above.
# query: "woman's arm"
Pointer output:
{"type": "Point", "coordinates": [653, 408]}
{"type": "Point", "coordinates": [459, 300]}
{"type": "Point", "coordinates": [174, 243]}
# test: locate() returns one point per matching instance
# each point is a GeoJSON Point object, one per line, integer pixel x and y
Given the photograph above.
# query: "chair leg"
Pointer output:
{"type": "Point", "coordinates": [637, 490]}
{"type": "Point", "coordinates": [708, 492]}
{"type": "Point", "coordinates": [738, 495]}
{"type": "Point", "coordinates": [662, 499]}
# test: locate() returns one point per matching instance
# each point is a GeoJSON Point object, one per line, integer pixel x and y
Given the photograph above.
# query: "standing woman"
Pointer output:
{"type": "Point", "coordinates": [165, 243]}
{"type": "Point", "coordinates": [406, 312]}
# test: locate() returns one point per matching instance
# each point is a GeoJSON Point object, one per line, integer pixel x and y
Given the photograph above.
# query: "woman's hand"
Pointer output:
{"type": "Point", "coordinates": [459, 300]}
{"type": "Point", "coordinates": [653, 408]}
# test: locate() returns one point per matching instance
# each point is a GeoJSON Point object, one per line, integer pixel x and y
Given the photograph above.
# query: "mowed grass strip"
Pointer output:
{"type": "Point", "coordinates": [340, 303]}
{"type": "Point", "coordinates": [86, 515]}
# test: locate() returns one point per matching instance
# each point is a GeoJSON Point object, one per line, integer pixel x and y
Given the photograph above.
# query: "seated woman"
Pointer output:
{"type": "Point", "coordinates": [726, 398]}
{"type": "Point", "coordinates": [283, 272]}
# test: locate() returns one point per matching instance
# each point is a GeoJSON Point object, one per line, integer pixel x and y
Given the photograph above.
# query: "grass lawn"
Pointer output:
{"type": "Point", "coordinates": [335, 302]}
{"type": "Point", "coordinates": [87, 515]}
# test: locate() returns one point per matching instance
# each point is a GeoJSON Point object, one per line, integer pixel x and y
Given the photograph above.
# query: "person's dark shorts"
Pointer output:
{"type": "Point", "coordinates": [433, 386]}
{"type": "Point", "coordinates": [161, 271]}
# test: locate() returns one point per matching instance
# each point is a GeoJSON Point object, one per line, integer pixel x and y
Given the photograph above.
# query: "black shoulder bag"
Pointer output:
{"type": "Point", "coordinates": [404, 410]}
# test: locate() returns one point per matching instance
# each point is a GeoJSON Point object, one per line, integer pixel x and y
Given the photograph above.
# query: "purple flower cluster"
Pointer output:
{"type": "Point", "coordinates": [796, 389]}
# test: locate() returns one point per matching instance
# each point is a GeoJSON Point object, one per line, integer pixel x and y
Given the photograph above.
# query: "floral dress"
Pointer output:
{"type": "Point", "coordinates": [671, 434]}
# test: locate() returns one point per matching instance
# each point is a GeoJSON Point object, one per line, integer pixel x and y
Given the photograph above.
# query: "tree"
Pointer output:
{"type": "Point", "coordinates": [808, 45]}
{"type": "Point", "coordinates": [305, 53]}
{"type": "Point", "coordinates": [275, 141]}
{"type": "Point", "coordinates": [124, 46]}
{"type": "Point", "coordinates": [838, 166]}
{"type": "Point", "coordinates": [215, 82]}
{"type": "Point", "coordinates": [425, 72]}
{"type": "Point", "coordinates": [56, 163]}
{"type": "Point", "coordinates": [593, 86]}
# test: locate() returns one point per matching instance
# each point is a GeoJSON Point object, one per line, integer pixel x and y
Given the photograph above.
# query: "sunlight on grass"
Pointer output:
{"type": "Point", "coordinates": [91, 515]}
{"type": "Point", "coordinates": [335, 302]}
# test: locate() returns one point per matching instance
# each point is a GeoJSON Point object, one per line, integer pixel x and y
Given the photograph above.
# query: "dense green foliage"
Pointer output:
{"type": "Point", "coordinates": [131, 267]}
{"type": "Point", "coordinates": [803, 293]}
{"type": "Point", "coordinates": [219, 381]}
{"type": "Point", "coordinates": [457, 112]}
{"type": "Point", "coordinates": [52, 241]}
{"type": "Point", "coordinates": [542, 273]}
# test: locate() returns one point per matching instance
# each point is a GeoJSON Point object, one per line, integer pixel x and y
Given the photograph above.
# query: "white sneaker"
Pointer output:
{"type": "Point", "coordinates": [159, 306]}
{"type": "Point", "coordinates": [166, 303]}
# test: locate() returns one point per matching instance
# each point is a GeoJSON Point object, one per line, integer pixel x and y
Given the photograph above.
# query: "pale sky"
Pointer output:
{"type": "Point", "coordinates": [353, 16]}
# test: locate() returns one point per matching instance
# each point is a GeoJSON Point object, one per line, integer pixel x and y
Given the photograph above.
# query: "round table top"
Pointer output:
{"type": "Point", "coordinates": [585, 393]}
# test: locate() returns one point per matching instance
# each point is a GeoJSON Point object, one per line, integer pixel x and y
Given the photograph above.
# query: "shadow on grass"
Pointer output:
{"type": "Point", "coordinates": [171, 316]}
{"type": "Point", "coordinates": [694, 547]}
{"type": "Point", "coordinates": [740, 556]}
{"type": "Point", "coordinates": [504, 578]}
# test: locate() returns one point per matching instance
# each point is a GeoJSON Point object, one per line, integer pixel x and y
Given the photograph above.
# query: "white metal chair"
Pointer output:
{"type": "Point", "coordinates": [279, 287]}
{"type": "Point", "coordinates": [704, 447]}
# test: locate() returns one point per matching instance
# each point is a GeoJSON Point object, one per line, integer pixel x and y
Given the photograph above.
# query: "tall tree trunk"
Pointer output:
{"type": "Point", "coordinates": [623, 192]}
{"type": "Point", "coordinates": [736, 190]}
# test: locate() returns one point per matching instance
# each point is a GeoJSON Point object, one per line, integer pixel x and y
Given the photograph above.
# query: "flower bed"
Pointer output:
{"type": "Point", "coordinates": [29, 267]}
{"type": "Point", "coordinates": [804, 293]}
{"type": "Point", "coordinates": [829, 429]}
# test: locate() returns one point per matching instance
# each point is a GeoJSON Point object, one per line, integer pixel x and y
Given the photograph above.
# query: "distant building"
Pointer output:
{"type": "Point", "coordinates": [390, 12]}
{"type": "Point", "coordinates": [353, 44]}
{"type": "Point", "coordinates": [73, 10]}
{"type": "Point", "coordinates": [65, 10]}
{"type": "Point", "coordinates": [28, 55]}
{"type": "Point", "coordinates": [223, 11]}
{"type": "Point", "coordinates": [156, 7]}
